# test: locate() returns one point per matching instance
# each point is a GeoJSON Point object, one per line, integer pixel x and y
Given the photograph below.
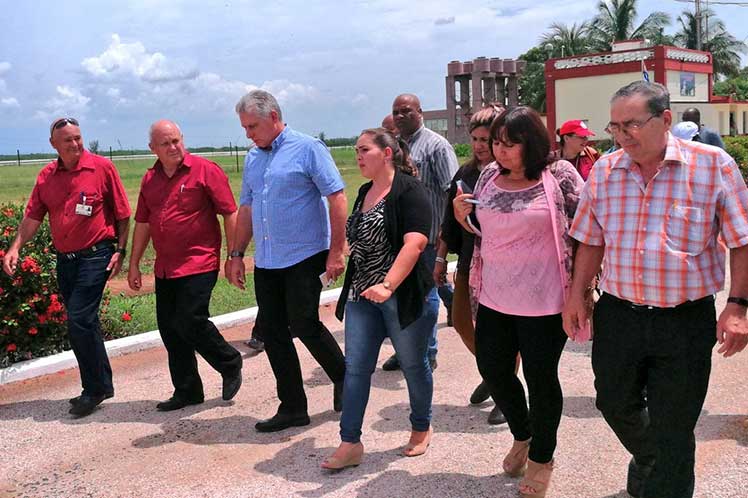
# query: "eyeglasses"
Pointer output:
{"type": "Point", "coordinates": [631, 126]}
{"type": "Point", "coordinates": [62, 122]}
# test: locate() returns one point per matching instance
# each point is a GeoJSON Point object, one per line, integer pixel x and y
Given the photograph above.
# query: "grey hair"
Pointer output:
{"type": "Point", "coordinates": [260, 102]}
{"type": "Point", "coordinates": [658, 97]}
{"type": "Point", "coordinates": [160, 121]}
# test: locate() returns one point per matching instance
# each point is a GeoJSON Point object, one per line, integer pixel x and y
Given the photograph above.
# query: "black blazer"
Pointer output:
{"type": "Point", "coordinates": [406, 209]}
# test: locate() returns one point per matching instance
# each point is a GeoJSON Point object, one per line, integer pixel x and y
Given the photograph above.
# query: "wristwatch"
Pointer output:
{"type": "Point", "coordinates": [387, 285]}
{"type": "Point", "coordinates": [740, 301]}
{"type": "Point", "coordinates": [122, 251]}
{"type": "Point", "coordinates": [236, 254]}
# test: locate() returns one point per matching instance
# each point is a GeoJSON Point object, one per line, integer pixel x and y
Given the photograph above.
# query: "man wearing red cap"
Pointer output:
{"type": "Point", "coordinates": [573, 146]}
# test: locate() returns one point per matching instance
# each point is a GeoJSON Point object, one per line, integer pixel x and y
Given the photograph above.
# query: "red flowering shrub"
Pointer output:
{"type": "Point", "coordinates": [32, 317]}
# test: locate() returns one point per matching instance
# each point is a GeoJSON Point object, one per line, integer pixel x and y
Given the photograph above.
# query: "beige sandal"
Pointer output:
{"type": "Point", "coordinates": [515, 461]}
{"type": "Point", "coordinates": [537, 479]}
{"type": "Point", "coordinates": [351, 458]}
{"type": "Point", "coordinates": [416, 449]}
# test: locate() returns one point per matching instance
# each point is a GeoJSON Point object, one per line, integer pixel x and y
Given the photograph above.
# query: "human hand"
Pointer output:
{"type": "Point", "coordinates": [235, 269]}
{"type": "Point", "coordinates": [10, 261]}
{"type": "Point", "coordinates": [575, 315]}
{"type": "Point", "coordinates": [732, 330]}
{"type": "Point", "coordinates": [335, 265]}
{"type": "Point", "coordinates": [461, 207]}
{"type": "Point", "coordinates": [134, 279]}
{"type": "Point", "coordinates": [440, 273]}
{"type": "Point", "coordinates": [377, 293]}
{"type": "Point", "coordinates": [115, 265]}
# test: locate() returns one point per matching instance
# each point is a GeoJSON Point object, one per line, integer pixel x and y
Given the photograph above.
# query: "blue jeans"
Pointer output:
{"type": "Point", "coordinates": [81, 283]}
{"type": "Point", "coordinates": [366, 326]}
{"type": "Point", "coordinates": [445, 292]}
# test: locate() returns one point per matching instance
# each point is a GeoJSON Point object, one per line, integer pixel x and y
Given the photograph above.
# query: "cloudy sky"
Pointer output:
{"type": "Point", "coordinates": [335, 66]}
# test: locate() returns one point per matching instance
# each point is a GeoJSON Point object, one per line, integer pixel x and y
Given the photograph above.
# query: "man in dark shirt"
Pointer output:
{"type": "Point", "coordinates": [706, 135]}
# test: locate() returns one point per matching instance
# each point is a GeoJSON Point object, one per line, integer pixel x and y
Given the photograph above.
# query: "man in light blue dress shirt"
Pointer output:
{"type": "Point", "coordinates": [293, 204]}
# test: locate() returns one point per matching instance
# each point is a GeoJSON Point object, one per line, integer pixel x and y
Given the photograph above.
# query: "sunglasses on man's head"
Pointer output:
{"type": "Point", "coordinates": [62, 122]}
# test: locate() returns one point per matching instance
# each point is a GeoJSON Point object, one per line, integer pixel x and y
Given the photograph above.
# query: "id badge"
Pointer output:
{"type": "Point", "coordinates": [83, 209]}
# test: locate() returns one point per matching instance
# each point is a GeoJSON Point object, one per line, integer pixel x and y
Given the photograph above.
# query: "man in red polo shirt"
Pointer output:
{"type": "Point", "coordinates": [177, 207]}
{"type": "Point", "coordinates": [88, 215]}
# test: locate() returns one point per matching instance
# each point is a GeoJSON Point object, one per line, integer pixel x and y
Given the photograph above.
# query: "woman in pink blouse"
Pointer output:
{"type": "Point", "coordinates": [519, 275]}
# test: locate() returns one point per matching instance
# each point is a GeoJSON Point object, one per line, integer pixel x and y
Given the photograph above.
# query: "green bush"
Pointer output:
{"type": "Point", "coordinates": [33, 322]}
{"type": "Point", "coordinates": [737, 147]}
{"type": "Point", "coordinates": [463, 150]}
{"type": "Point", "coordinates": [32, 318]}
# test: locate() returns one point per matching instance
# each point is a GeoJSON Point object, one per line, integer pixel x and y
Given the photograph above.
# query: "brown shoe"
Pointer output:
{"type": "Point", "coordinates": [537, 479]}
{"type": "Point", "coordinates": [342, 458]}
{"type": "Point", "coordinates": [515, 461]}
{"type": "Point", "coordinates": [419, 443]}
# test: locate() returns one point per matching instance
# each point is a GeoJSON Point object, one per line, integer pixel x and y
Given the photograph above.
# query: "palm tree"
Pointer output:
{"type": "Point", "coordinates": [562, 40]}
{"type": "Point", "coordinates": [725, 48]}
{"type": "Point", "coordinates": [615, 22]}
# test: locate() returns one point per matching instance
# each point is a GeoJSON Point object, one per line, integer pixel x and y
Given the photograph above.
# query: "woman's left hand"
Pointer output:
{"type": "Point", "coordinates": [377, 293]}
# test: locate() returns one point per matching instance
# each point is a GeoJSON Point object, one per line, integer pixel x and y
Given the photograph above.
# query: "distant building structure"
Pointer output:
{"type": "Point", "coordinates": [470, 86]}
{"type": "Point", "coordinates": [580, 87]}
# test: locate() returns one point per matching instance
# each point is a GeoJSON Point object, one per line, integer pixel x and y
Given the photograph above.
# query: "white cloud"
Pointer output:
{"type": "Point", "coordinates": [67, 101]}
{"type": "Point", "coordinates": [9, 102]}
{"type": "Point", "coordinates": [133, 59]}
{"type": "Point", "coordinates": [4, 67]}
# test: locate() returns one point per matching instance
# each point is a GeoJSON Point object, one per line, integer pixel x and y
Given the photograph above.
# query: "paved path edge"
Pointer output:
{"type": "Point", "coordinates": [117, 347]}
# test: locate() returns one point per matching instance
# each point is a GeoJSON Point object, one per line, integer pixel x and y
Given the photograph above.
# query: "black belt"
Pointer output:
{"type": "Point", "coordinates": [88, 251]}
{"type": "Point", "coordinates": [646, 307]}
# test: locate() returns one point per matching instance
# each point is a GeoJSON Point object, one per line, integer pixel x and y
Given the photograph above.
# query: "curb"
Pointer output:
{"type": "Point", "coordinates": [132, 344]}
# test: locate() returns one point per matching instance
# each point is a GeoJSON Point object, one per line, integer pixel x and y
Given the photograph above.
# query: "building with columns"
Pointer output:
{"type": "Point", "coordinates": [580, 87]}
{"type": "Point", "coordinates": [470, 86]}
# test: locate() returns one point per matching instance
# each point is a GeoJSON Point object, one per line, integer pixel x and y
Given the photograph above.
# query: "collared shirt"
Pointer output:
{"type": "Point", "coordinates": [436, 161]}
{"type": "Point", "coordinates": [181, 214]}
{"type": "Point", "coordinates": [285, 186]}
{"type": "Point", "coordinates": [93, 182]}
{"type": "Point", "coordinates": [661, 246]}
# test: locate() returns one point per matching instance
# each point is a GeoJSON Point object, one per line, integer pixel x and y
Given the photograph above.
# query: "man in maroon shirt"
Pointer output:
{"type": "Point", "coordinates": [88, 215]}
{"type": "Point", "coordinates": [177, 207]}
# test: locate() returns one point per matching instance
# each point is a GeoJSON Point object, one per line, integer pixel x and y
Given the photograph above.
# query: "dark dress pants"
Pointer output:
{"type": "Point", "coordinates": [288, 302]}
{"type": "Point", "coordinates": [81, 281]}
{"type": "Point", "coordinates": [668, 352]}
{"type": "Point", "coordinates": [183, 321]}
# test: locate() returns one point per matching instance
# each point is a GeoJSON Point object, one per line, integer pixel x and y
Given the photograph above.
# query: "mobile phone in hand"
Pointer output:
{"type": "Point", "coordinates": [467, 190]}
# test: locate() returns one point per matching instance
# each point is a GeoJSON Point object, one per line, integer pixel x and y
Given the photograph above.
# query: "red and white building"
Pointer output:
{"type": "Point", "coordinates": [580, 87]}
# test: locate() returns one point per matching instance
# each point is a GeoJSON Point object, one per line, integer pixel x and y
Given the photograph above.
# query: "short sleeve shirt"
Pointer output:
{"type": "Point", "coordinates": [286, 185]}
{"type": "Point", "coordinates": [181, 212]}
{"type": "Point", "coordinates": [661, 239]}
{"type": "Point", "coordinates": [94, 183]}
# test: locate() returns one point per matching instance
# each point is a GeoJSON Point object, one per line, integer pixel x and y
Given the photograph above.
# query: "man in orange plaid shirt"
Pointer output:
{"type": "Point", "coordinates": [652, 213]}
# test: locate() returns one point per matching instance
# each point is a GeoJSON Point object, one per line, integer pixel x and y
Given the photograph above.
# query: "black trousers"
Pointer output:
{"type": "Point", "coordinates": [668, 352]}
{"type": "Point", "coordinates": [183, 321]}
{"type": "Point", "coordinates": [540, 341]}
{"type": "Point", "coordinates": [288, 302]}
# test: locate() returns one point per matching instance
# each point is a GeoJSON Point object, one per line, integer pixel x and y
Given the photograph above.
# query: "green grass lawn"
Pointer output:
{"type": "Point", "coordinates": [17, 182]}
{"type": "Point", "coordinates": [16, 185]}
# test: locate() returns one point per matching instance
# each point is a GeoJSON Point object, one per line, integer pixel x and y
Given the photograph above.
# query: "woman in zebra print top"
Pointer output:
{"type": "Point", "coordinates": [384, 293]}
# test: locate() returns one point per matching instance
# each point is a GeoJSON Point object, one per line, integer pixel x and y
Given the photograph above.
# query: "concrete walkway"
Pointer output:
{"type": "Point", "coordinates": [128, 449]}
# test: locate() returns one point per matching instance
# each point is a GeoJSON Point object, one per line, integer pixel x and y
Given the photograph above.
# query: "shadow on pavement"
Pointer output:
{"type": "Point", "coordinates": [140, 411]}
{"type": "Point", "coordinates": [228, 430]}
{"type": "Point", "coordinates": [301, 461]}
{"type": "Point", "coordinates": [446, 418]}
{"type": "Point", "coordinates": [443, 484]}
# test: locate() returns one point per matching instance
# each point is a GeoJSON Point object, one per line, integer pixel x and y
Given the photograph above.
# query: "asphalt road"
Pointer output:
{"type": "Point", "coordinates": [128, 449]}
